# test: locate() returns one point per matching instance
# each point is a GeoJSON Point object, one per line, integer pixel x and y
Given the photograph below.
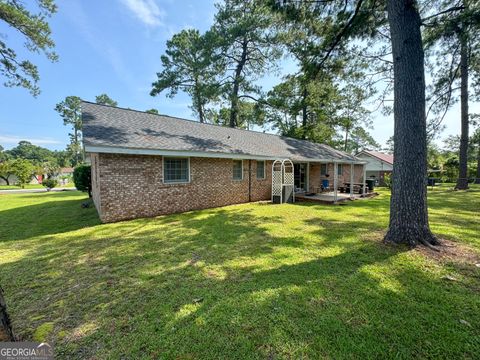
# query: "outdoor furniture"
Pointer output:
{"type": "Point", "coordinates": [325, 185]}
{"type": "Point", "coordinates": [357, 187]}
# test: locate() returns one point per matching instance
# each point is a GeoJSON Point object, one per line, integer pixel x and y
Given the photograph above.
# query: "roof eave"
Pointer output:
{"type": "Point", "coordinates": [205, 154]}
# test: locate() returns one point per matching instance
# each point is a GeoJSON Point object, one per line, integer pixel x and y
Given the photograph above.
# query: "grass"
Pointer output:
{"type": "Point", "coordinates": [240, 282]}
{"type": "Point", "coordinates": [31, 186]}
{"type": "Point", "coordinates": [18, 187]}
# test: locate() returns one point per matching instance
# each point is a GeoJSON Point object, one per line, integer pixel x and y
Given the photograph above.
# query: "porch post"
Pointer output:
{"type": "Point", "coordinates": [335, 182]}
{"type": "Point", "coordinates": [364, 179]}
{"type": "Point", "coordinates": [352, 169]}
{"type": "Point", "coordinates": [307, 180]}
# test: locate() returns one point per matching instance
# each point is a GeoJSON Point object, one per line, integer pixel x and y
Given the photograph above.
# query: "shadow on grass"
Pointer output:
{"type": "Point", "coordinates": [249, 281]}
{"type": "Point", "coordinates": [233, 283]}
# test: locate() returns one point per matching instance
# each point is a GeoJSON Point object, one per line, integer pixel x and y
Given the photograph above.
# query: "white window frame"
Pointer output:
{"type": "Point", "coordinates": [233, 160]}
{"type": "Point", "coordinates": [175, 182]}
{"type": "Point", "coordinates": [339, 169]}
{"type": "Point", "coordinates": [326, 169]}
{"type": "Point", "coordinates": [264, 170]}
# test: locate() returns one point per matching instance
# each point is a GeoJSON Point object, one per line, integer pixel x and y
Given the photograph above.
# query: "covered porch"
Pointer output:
{"type": "Point", "coordinates": [331, 181]}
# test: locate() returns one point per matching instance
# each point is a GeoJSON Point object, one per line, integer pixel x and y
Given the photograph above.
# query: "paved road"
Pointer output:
{"type": "Point", "coordinates": [21, 191]}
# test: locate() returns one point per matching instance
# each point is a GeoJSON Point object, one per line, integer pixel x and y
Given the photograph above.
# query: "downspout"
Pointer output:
{"type": "Point", "coordinates": [335, 182]}
{"type": "Point", "coordinates": [249, 180]}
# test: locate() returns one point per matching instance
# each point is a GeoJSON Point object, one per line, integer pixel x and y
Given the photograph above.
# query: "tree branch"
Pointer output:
{"type": "Point", "coordinates": [340, 35]}
{"type": "Point", "coordinates": [454, 8]}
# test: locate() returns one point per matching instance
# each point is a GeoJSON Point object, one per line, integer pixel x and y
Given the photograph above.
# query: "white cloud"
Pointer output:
{"type": "Point", "coordinates": [11, 139]}
{"type": "Point", "coordinates": [146, 11]}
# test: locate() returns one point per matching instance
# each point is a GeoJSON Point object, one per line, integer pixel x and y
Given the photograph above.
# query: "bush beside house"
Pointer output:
{"type": "Point", "coordinates": [82, 178]}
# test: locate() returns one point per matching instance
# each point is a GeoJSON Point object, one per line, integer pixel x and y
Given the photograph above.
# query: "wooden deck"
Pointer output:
{"type": "Point", "coordinates": [328, 198]}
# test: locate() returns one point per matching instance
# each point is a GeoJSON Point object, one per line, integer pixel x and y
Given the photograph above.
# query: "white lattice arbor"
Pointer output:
{"type": "Point", "coordinates": [282, 181]}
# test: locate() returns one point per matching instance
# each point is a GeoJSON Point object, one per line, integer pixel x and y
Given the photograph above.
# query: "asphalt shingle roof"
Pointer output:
{"type": "Point", "coordinates": [388, 158]}
{"type": "Point", "coordinates": [107, 126]}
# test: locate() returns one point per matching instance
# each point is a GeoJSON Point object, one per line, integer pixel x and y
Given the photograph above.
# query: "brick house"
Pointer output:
{"type": "Point", "coordinates": [145, 164]}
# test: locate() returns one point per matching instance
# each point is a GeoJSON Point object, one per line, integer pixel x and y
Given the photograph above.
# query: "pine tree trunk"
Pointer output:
{"type": "Point", "coordinates": [6, 333]}
{"type": "Point", "coordinates": [236, 85]}
{"type": "Point", "coordinates": [408, 205]}
{"type": "Point", "coordinates": [477, 179]}
{"type": "Point", "coordinates": [304, 113]}
{"type": "Point", "coordinates": [77, 160]}
{"type": "Point", "coordinates": [462, 181]}
{"type": "Point", "coordinates": [345, 145]}
{"type": "Point", "coordinates": [198, 102]}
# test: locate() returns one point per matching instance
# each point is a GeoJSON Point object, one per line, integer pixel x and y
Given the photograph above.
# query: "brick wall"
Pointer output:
{"type": "Point", "coordinates": [315, 177]}
{"type": "Point", "coordinates": [131, 186]}
{"type": "Point", "coordinates": [95, 181]}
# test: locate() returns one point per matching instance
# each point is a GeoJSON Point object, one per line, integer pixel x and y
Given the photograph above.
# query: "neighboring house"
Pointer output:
{"type": "Point", "coordinates": [13, 180]}
{"type": "Point", "coordinates": [378, 164]}
{"type": "Point", "coordinates": [65, 171]}
{"type": "Point", "coordinates": [146, 164]}
{"type": "Point", "coordinates": [37, 179]}
{"type": "Point", "coordinates": [64, 175]}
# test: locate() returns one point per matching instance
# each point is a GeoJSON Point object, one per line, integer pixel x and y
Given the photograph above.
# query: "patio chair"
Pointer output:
{"type": "Point", "coordinates": [325, 185]}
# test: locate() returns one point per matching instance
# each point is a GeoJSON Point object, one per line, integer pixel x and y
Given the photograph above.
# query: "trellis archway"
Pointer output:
{"type": "Point", "coordinates": [282, 181]}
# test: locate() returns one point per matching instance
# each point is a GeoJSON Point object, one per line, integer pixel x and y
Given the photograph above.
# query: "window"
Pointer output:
{"type": "Point", "coordinates": [323, 169]}
{"type": "Point", "coordinates": [237, 170]}
{"type": "Point", "coordinates": [260, 169]}
{"type": "Point", "coordinates": [176, 170]}
{"type": "Point", "coordinates": [339, 169]}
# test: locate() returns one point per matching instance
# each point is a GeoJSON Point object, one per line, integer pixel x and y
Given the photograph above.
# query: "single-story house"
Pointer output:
{"type": "Point", "coordinates": [145, 164]}
{"type": "Point", "coordinates": [13, 180]}
{"type": "Point", "coordinates": [65, 171]}
{"type": "Point", "coordinates": [64, 175]}
{"type": "Point", "coordinates": [378, 164]}
{"type": "Point", "coordinates": [38, 178]}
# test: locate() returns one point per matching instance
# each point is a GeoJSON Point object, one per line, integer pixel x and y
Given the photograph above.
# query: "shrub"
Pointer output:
{"type": "Point", "coordinates": [387, 179]}
{"type": "Point", "coordinates": [82, 178]}
{"type": "Point", "coordinates": [50, 183]}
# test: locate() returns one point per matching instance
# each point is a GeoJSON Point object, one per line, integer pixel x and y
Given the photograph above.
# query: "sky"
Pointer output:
{"type": "Point", "coordinates": [114, 47]}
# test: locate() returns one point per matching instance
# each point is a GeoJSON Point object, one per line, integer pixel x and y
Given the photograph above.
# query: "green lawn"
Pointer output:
{"type": "Point", "coordinates": [30, 186]}
{"type": "Point", "coordinates": [18, 187]}
{"type": "Point", "coordinates": [239, 282]}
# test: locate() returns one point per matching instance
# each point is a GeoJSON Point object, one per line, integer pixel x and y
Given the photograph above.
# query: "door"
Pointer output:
{"type": "Point", "coordinates": [300, 176]}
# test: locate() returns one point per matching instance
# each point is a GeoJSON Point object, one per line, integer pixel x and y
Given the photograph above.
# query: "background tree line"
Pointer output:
{"type": "Point", "coordinates": [221, 70]}
{"type": "Point", "coordinates": [330, 96]}
{"type": "Point", "coordinates": [26, 161]}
